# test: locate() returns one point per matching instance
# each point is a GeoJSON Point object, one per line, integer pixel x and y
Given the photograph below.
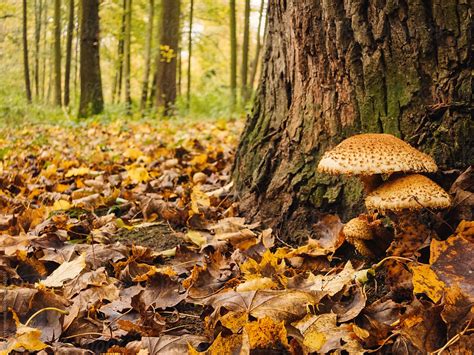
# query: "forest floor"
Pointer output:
{"type": "Point", "coordinates": [124, 237]}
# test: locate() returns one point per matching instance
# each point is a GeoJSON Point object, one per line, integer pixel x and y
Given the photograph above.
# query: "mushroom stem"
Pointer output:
{"type": "Point", "coordinates": [410, 234]}
{"type": "Point", "coordinates": [371, 182]}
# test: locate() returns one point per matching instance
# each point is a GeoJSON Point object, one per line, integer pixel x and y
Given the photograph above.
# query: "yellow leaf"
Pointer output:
{"type": "Point", "coordinates": [78, 172]}
{"type": "Point", "coordinates": [199, 199]}
{"type": "Point", "coordinates": [61, 205]}
{"type": "Point", "coordinates": [133, 153]}
{"type": "Point", "coordinates": [121, 224]}
{"type": "Point", "coordinates": [234, 321]}
{"type": "Point", "coordinates": [261, 283]}
{"type": "Point", "coordinates": [197, 238]}
{"type": "Point", "coordinates": [138, 174]}
{"type": "Point", "coordinates": [360, 332]}
{"type": "Point", "coordinates": [314, 340]}
{"type": "Point", "coordinates": [265, 333]}
{"type": "Point", "coordinates": [425, 281]}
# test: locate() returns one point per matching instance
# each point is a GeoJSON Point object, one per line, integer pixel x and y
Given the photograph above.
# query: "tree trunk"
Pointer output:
{"type": "Point", "coordinates": [334, 69]}
{"type": "Point", "coordinates": [57, 52]}
{"type": "Point", "coordinates": [117, 85]}
{"type": "Point", "coordinates": [76, 48]}
{"type": "Point", "coordinates": [233, 55]}
{"type": "Point", "coordinates": [26, 66]}
{"type": "Point", "coordinates": [146, 73]}
{"type": "Point", "coordinates": [253, 71]}
{"type": "Point", "coordinates": [126, 60]}
{"type": "Point", "coordinates": [43, 51]}
{"type": "Point", "coordinates": [67, 71]}
{"type": "Point", "coordinates": [91, 101]}
{"type": "Point", "coordinates": [245, 53]}
{"type": "Point", "coordinates": [166, 62]}
{"type": "Point", "coordinates": [38, 19]}
{"type": "Point", "coordinates": [190, 52]}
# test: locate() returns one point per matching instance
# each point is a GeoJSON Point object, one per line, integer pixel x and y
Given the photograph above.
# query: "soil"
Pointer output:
{"type": "Point", "coordinates": [157, 237]}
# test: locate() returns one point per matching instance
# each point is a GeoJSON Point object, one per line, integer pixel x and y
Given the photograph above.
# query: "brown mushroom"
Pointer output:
{"type": "Point", "coordinates": [401, 199]}
{"type": "Point", "coordinates": [356, 232]}
{"type": "Point", "coordinates": [369, 156]}
{"type": "Point", "coordinates": [372, 154]}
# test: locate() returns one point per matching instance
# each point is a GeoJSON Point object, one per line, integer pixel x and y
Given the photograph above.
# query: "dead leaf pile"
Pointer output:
{"type": "Point", "coordinates": [124, 237]}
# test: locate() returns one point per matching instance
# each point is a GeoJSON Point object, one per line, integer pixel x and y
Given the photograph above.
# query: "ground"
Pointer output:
{"type": "Point", "coordinates": [125, 236]}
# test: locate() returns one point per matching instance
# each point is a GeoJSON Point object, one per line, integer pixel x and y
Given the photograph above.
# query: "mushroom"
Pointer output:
{"type": "Point", "coordinates": [401, 199]}
{"type": "Point", "coordinates": [369, 156]}
{"type": "Point", "coordinates": [356, 232]}
{"type": "Point", "coordinates": [364, 231]}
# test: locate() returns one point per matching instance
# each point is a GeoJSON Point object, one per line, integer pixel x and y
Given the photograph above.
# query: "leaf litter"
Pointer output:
{"type": "Point", "coordinates": [125, 237]}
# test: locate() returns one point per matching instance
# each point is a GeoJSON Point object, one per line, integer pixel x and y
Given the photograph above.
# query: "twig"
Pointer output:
{"type": "Point", "coordinates": [453, 340]}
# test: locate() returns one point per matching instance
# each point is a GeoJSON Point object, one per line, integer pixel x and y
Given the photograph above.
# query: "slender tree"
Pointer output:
{"type": "Point", "coordinates": [245, 53]}
{"type": "Point", "coordinates": [146, 72]}
{"type": "Point", "coordinates": [67, 71]}
{"type": "Point", "coordinates": [117, 85]}
{"type": "Point", "coordinates": [190, 52]}
{"type": "Point", "coordinates": [166, 62]}
{"type": "Point", "coordinates": [233, 54]}
{"type": "Point", "coordinates": [57, 52]}
{"type": "Point", "coordinates": [38, 22]}
{"type": "Point", "coordinates": [76, 47]}
{"type": "Point", "coordinates": [43, 51]}
{"type": "Point", "coordinates": [127, 48]}
{"type": "Point", "coordinates": [91, 100]}
{"type": "Point", "coordinates": [254, 66]}
{"type": "Point", "coordinates": [26, 66]}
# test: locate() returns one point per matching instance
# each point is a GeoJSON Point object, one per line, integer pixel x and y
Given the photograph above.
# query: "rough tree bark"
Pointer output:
{"type": "Point", "coordinates": [91, 101]}
{"type": "Point", "coordinates": [166, 63]}
{"type": "Point", "coordinates": [26, 67]}
{"type": "Point", "coordinates": [67, 70]}
{"type": "Point", "coordinates": [336, 68]}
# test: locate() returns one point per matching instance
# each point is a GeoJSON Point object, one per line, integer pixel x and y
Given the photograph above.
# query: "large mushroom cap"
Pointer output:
{"type": "Point", "coordinates": [374, 153]}
{"type": "Point", "coordinates": [412, 192]}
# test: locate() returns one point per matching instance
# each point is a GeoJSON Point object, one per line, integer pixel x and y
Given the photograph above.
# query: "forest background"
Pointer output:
{"type": "Point", "coordinates": [207, 80]}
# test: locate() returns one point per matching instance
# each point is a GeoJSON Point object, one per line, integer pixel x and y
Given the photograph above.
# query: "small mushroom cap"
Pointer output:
{"type": "Point", "coordinates": [375, 153]}
{"type": "Point", "coordinates": [412, 192]}
{"type": "Point", "coordinates": [357, 228]}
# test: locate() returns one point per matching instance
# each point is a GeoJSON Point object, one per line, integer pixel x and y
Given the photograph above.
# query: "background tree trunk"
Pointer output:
{"type": "Point", "coordinates": [254, 67]}
{"type": "Point", "coordinates": [233, 54]}
{"type": "Point", "coordinates": [190, 52]}
{"type": "Point", "coordinates": [245, 53]}
{"type": "Point", "coordinates": [117, 85]}
{"type": "Point", "coordinates": [146, 72]}
{"type": "Point", "coordinates": [126, 60]}
{"type": "Point", "coordinates": [334, 69]}
{"type": "Point", "coordinates": [67, 71]}
{"type": "Point", "coordinates": [91, 101]}
{"type": "Point", "coordinates": [38, 20]}
{"type": "Point", "coordinates": [166, 63]}
{"type": "Point", "coordinates": [57, 52]}
{"type": "Point", "coordinates": [26, 67]}
{"type": "Point", "coordinates": [43, 51]}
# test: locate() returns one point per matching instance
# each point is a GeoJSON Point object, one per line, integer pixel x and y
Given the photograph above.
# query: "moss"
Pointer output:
{"type": "Point", "coordinates": [332, 193]}
{"type": "Point", "coordinates": [317, 197]}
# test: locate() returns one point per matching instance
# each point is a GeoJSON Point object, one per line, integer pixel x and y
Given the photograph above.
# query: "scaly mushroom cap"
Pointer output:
{"type": "Point", "coordinates": [357, 228]}
{"type": "Point", "coordinates": [412, 192]}
{"type": "Point", "coordinates": [375, 153]}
